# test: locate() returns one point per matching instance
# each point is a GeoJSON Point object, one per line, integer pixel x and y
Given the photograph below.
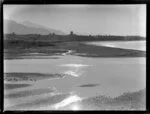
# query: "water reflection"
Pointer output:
{"type": "Point", "coordinates": [75, 107]}
{"type": "Point", "coordinates": [72, 73]}
{"type": "Point", "coordinates": [74, 70]}
{"type": "Point", "coordinates": [74, 65]}
{"type": "Point", "coordinates": [108, 45]}
{"type": "Point", "coordinates": [136, 45]}
{"type": "Point", "coordinates": [67, 101]}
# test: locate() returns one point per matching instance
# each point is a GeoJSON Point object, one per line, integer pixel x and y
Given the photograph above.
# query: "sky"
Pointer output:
{"type": "Point", "coordinates": [90, 19]}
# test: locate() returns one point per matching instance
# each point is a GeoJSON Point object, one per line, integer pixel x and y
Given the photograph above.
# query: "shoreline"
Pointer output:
{"type": "Point", "coordinates": [72, 48]}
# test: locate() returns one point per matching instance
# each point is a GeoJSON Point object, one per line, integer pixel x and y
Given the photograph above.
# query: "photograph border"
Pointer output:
{"type": "Point", "coordinates": [92, 2]}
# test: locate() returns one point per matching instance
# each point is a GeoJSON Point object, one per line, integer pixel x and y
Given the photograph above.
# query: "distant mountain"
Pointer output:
{"type": "Point", "coordinates": [30, 24]}
{"type": "Point", "coordinates": [28, 28]}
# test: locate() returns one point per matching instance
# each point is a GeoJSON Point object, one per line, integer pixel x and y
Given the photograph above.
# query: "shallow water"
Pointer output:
{"type": "Point", "coordinates": [113, 76]}
{"type": "Point", "coordinates": [136, 45]}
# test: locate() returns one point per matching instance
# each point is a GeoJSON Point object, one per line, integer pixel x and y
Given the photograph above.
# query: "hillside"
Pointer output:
{"type": "Point", "coordinates": [11, 26]}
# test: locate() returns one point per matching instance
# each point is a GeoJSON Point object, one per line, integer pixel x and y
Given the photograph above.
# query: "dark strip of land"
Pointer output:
{"type": "Point", "coordinates": [14, 77]}
{"type": "Point", "coordinates": [14, 86]}
{"type": "Point", "coordinates": [13, 51]}
{"type": "Point", "coordinates": [89, 85]}
{"type": "Point", "coordinates": [29, 93]}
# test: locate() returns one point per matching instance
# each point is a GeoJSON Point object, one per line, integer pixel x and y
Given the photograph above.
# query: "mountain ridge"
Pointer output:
{"type": "Point", "coordinates": [22, 28]}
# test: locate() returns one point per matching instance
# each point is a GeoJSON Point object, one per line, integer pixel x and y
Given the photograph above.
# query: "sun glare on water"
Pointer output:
{"type": "Point", "coordinates": [74, 65]}
{"type": "Point", "coordinates": [72, 73]}
{"type": "Point", "coordinates": [67, 101]}
{"type": "Point", "coordinates": [75, 107]}
{"type": "Point", "coordinates": [74, 69]}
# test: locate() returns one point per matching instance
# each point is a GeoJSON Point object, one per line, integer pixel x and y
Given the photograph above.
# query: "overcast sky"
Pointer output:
{"type": "Point", "coordinates": [91, 19]}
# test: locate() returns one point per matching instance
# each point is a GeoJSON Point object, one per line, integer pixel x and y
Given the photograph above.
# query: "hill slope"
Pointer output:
{"type": "Point", "coordinates": [28, 28]}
